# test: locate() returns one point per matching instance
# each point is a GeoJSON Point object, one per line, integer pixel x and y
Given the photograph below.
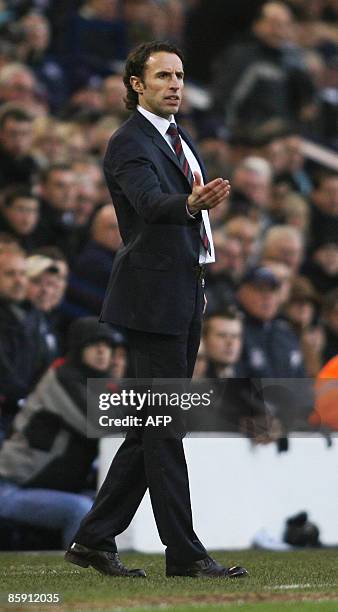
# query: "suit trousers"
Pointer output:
{"type": "Point", "coordinates": [147, 462]}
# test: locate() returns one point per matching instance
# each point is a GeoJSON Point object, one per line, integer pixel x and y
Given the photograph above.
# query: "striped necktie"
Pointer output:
{"type": "Point", "coordinates": [176, 142]}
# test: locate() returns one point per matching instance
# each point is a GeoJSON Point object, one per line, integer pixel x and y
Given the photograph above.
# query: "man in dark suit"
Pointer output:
{"type": "Point", "coordinates": [155, 292]}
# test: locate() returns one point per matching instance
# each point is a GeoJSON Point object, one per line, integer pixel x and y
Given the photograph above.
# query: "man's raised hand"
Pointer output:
{"type": "Point", "coordinates": [205, 197]}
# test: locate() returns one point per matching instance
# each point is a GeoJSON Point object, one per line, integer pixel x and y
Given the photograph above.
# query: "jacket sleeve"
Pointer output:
{"type": "Point", "coordinates": [127, 165]}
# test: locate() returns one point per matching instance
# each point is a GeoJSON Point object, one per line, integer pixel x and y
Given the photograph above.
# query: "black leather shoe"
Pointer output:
{"type": "Point", "coordinates": [206, 568]}
{"type": "Point", "coordinates": [108, 563]}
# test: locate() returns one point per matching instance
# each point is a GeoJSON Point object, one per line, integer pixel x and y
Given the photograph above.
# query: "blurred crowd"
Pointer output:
{"type": "Point", "coordinates": [260, 78]}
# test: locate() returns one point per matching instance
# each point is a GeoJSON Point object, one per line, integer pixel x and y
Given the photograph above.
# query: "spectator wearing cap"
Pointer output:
{"type": "Point", "coordinates": [19, 216]}
{"type": "Point", "coordinates": [46, 462]}
{"type": "Point", "coordinates": [283, 274]}
{"type": "Point", "coordinates": [43, 294]}
{"type": "Point", "coordinates": [271, 349]}
{"type": "Point", "coordinates": [17, 165]}
{"type": "Point", "coordinates": [23, 353]}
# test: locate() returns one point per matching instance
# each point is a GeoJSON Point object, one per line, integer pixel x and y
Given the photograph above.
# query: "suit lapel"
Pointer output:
{"type": "Point", "coordinates": [160, 142]}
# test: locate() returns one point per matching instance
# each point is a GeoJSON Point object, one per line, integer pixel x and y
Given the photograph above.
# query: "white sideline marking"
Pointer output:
{"type": "Point", "coordinates": [307, 585]}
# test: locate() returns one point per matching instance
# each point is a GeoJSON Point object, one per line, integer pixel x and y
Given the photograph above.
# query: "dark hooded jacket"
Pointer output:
{"type": "Point", "coordinates": [49, 447]}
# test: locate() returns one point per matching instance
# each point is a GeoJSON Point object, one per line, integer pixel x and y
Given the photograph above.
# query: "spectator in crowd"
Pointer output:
{"type": "Point", "coordinates": [224, 274]}
{"type": "Point", "coordinates": [284, 243]}
{"type": "Point", "coordinates": [296, 212]}
{"type": "Point", "coordinates": [19, 85]}
{"type": "Point", "coordinates": [43, 293]}
{"type": "Point", "coordinates": [324, 210]}
{"type": "Point", "coordinates": [96, 41]}
{"type": "Point", "coordinates": [237, 407]}
{"type": "Point", "coordinates": [23, 354]}
{"type": "Point", "coordinates": [283, 274]}
{"type": "Point", "coordinates": [247, 232]}
{"type": "Point", "coordinates": [271, 350]}
{"type": "Point", "coordinates": [19, 215]}
{"type": "Point", "coordinates": [113, 93]}
{"type": "Point", "coordinates": [330, 319]}
{"type": "Point", "coordinates": [17, 165]}
{"type": "Point", "coordinates": [57, 225]}
{"type": "Point", "coordinates": [222, 341]}
{"type": "Point", "coordinates": [50, 145]}
{"type": "Point", "coordinates": [102, 131]}
{"type": "Point", "coordinates": [58, 282]}
{"type": "Point", "coordinates": [322, 266]}
{"type": "Point", "coordinates": [91, 269]}
{"type": "Point", "coordinates": [264, 77]}
{"type": "Point", "coordinates": [89, 168]}
{"type": "Point", "coordinates": [37, 486]}
{"type": "Point", "coordinates": [60, 277]}
{"type": "Point", "coordinates": [302, 311]}
{"type": "Point", "coordinates": [32, 49]}
{"type": "Point", "coordinates": [251, 190]}
{"type": "Point", "coordinates": [85, 201]}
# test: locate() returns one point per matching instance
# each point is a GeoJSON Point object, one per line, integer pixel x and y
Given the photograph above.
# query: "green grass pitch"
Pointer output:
{"type": "Point", "coordinates": [302, 581]}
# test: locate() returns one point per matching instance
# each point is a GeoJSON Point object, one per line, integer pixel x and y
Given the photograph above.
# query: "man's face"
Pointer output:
{"type": "Point", "coordinates": [327, 257]}
{"type": "Point", "coordinates": [60, 189]}
{"type": "Point", "coordinates": [223, 340]}
{"type": "Point", "coordinates": [97, 356]}
{"type": "Point", "coordinates": [229, 258]}
{"type": "Point", "coordinates": [287, 250]}
{"type": "Point", "coordinates": [326, 196]}
{"type": "Point", "coordinates": [246, 232]}
{"type": "Point", "coordinates": [113, 94]}
{"type": "Point", "coordinates": [22, 214]}
{"type": "Point", "coordinates": [254, 185]}
{"type": "Point", "coordinates": [276, 25]}
{"type": "Point", "coordinates": [16, 137]}
{"type": "Point", "coordinates": [160, 91]}
{"type": "Point", "coordinates": [260, 301]}
{"type": "Point", "coordinates": [41, 291]}
{"type": "Point", "coordinates": [13, 278]}
{"type": "Point", "coordinates": [105, 229]}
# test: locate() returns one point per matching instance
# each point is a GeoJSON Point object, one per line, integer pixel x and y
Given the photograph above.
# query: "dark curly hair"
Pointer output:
{"type": "Point", "coordinates": [136, 62]}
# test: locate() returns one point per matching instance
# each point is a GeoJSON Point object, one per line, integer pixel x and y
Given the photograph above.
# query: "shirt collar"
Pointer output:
{"type": "Point", "coordinates": [159, 123]}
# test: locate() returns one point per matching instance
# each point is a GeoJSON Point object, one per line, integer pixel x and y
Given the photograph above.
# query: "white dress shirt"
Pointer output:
{"type": "Point", "coordinates": [162, 125]}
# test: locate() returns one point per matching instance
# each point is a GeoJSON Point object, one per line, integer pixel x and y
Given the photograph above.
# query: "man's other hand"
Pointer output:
{"type": "Point", "coordinates": [205, 197]}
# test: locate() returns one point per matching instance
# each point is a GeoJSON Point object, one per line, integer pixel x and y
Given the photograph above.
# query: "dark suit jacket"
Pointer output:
{"type": "Point", "coordinates": [152, 286]}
